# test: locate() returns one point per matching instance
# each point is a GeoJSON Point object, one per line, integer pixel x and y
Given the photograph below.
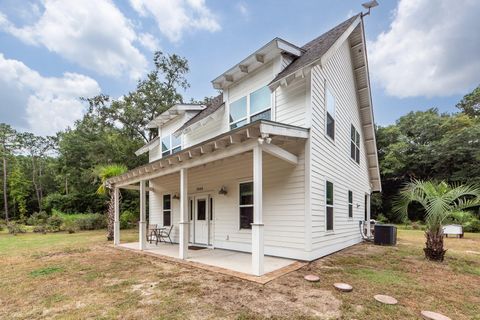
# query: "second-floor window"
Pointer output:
{"type": "Point", "coordinates": [354, 144]}
{"type": "Point", "coordinates": [330, 113]}
{"type": "Point", "coordinates": [171, 144]}
{"type": "Point", "coordinates": [255, 106]}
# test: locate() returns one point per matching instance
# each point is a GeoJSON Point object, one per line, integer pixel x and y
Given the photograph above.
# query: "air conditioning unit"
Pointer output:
{"type": "Point", "coordinates": [385, 235]}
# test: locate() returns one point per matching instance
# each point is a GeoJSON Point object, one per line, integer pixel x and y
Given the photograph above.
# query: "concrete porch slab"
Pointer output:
{"type": "Point", "coordinates": [232, 263]}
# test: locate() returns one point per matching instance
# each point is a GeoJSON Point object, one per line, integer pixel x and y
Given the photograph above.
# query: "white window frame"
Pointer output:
{"type": "Point", "coordinates": [244, 205]}
{"type": "Point", "coordinates": [172, 147]}
{"type": "Point", "coordinates": [350, 204]}
{"type": "Point", "coordinates": [249, 115]}
{"type": "Point", "coordinates": [329, 206]}
{"type": "Point", "coordinates": [327, 91]}
{"type": "Point", "coordinates": [357, 146]}
{"type": "Point", "coordinates": [166, 210]}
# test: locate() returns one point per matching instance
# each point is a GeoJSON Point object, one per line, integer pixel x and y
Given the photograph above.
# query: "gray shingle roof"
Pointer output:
{"type": "Point", "coordinates": [211, 107]}
{"type": "Point", "coordinates": [316, 48]}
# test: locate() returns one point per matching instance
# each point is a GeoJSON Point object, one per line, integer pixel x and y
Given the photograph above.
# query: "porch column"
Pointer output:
{"type": "Point", "coordinates": [116, 216]}
{"type": "Point", "coordinates": [184, 224]}
{"type": "Point", "coordinates": [367, 203]}
{"type": "Point", "coordinates": [257, 225]}
{"type": "Point", "coordinates": [142, 224]}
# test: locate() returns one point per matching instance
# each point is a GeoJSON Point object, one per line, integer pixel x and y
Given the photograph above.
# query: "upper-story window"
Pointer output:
{"type": "Point", "coordinates": [354, 144]}
{"type": "Point", "coordinates": [330, 116]}
{"type": "Point", "coordinates": [255, 106]}
{"type": "Point", "coordinates": [171, 144]}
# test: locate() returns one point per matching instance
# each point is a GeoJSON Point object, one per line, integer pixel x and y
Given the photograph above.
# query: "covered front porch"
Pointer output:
{"type": "Point", "coordinates": [228, 262]}
{"type": "Point", "coordinates": [182, 171]}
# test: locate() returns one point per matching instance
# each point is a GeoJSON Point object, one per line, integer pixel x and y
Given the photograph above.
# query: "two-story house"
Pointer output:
{"type": "Point", "coordinates": [282, 163]}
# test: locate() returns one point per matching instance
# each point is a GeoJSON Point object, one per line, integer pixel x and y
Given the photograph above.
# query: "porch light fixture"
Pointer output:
{"type": "Point", "coordinates": [176, 196]}
{"type": "Point", "coordinates": [223, 191]}
{"type": "Point", "coordinates": [369, 5]}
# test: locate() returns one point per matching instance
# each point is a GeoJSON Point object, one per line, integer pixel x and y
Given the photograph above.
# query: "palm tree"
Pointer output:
{"type": "Point", "coordinates": [104, 173]}
{"type": "Point", "coordinates": [439, 200]}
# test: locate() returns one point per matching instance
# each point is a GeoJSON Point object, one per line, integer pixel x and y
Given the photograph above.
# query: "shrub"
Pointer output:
{"type": "Point", "coordinates": [37, 218]}
{"type": "Point", "coordinates": [54, 223]}
{"type": "Point", "coordinates": [467, 219]}
{"type": "Point", "coordinates": [40, 229]}
{"type": "Point", "coordinates": [472, 225]}
{"type": "Point", "coordinates": [127, 219]}
{"type": "Point", "coordinates": [91, 221]}
{"type": "Point", "coordinates": [15, 228]}
{"type": "Point", "coordinates": [382, 219]}
{"type": "Point", "coordinates": [74, 202]}
{"type": "Point", "coordinates": [70, 226]}
{"type": "Point", "coordinates": [2, 226]}
{"type": "Point", "coordinates": [416, 226]}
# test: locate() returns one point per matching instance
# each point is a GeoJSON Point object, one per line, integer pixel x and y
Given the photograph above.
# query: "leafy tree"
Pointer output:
{"type": "Point", "coordinates": [470, 104]}
{"type": "Point", "coordinates": [439, 200]}
{"type": "Point", "coordinates": [153, 95]}
{"type": "Point", "coordinates": [19, 188]}
{"type": "Point", "coordinates": [8, 144]}
{"type": "Point", "coordinates": [104, 173]}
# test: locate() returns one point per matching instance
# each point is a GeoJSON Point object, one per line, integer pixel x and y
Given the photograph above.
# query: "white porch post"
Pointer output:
{"type": "Point", "coordinates": [184, 224]}
{"type": "Point", "coordinates": [369, 231]}
{"type": "Point", "coordinates": [142, 225]}
{"type": "Point", "coordinates": [257, 225]}
{"type": "Point", "coordinates": [116, 216]}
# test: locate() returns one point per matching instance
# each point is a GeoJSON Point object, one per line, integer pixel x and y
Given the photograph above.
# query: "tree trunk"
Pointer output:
{"type": "Point", "coordinates": [434, 246]}
{"type": "Point", "coordinates": [5, 197]}
{"type": "Point", "coordinates": [111, 214]}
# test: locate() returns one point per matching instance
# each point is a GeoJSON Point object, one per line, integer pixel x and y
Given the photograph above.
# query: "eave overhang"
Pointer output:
{"type": "Point", "coordinates": [254, 61]}
{"type": "Point", "coordinates": [173, 112]}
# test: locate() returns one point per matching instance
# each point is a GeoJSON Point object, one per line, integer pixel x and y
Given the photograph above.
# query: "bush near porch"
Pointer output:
{"type": "Point", "coordinates": [80, 275]}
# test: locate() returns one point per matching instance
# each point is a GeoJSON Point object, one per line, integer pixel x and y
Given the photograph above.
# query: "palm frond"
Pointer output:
{"type": "Point", "coordinates": [106, 172]}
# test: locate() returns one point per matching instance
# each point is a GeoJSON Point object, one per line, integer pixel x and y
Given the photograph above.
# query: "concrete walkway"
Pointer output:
{"type": "Point", "coordinates": [234, 263]}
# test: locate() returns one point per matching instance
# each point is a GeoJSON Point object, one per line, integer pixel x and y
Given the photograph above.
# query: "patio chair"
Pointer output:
{"type": "Point", "coordinates": [151, 233]}
{"type": "Point", "coordinates": [164, 234]}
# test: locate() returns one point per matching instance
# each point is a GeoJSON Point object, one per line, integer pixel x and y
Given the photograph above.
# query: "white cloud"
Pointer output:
{"type": "Point", "coordinates": [93, 34]}
{"type": "Point", "coordinates": [51, 103]}
{"type": "Point", "coordinates": [431, 49]}
{"type": "Point", "coordinates": [174, 17]}
{"type": "Point", "coordinates": [243, 9]}
{"type": "Point", "coordinates": [148, 41]}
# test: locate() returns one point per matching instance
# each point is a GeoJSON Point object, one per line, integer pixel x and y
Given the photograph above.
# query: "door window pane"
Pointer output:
{"type": "Point", "coordinates": [246, 217]}
{"type": "Point", "coordinates": [238, 109]}
{"type": "Point", "coordinates": [201, 209]}
{"type": "Point", "coordinates": [260, 100]}
{"type": "Point", "coordinates": [246, 193]}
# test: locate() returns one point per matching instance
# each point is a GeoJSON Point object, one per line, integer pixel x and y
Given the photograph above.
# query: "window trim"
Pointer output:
{"type": "Point", "coordinates": [350, 204]}
{"type": "Point", "coordinates": [172, 147]}
{"type": "Point", "coordinates": [330, 206]}
{"type": "Point", "coordinates": [327, 90]}
{"type": "Point", "coordinates": [244, 205]}
{"type": "Point", "coordinates": [356, 146]}
{"type": "Point", "coordinates": [166, 210]}
{"type": "Point", "coordinates": [249, 115]}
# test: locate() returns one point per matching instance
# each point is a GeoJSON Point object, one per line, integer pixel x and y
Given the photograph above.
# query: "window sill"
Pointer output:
{"type": "Point", "coordinates": [355, 162]}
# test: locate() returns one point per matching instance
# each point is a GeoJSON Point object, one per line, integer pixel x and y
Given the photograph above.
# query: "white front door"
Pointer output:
{"type": "Point", "coordinates": [201, 220]}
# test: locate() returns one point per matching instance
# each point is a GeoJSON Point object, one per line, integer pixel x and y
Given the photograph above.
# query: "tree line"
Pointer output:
{"type": "Point", "coordinates": [60, 172]}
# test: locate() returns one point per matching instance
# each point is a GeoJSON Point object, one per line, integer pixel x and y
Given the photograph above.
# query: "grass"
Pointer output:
{"type": "Point", "coordinates": [77, 276]}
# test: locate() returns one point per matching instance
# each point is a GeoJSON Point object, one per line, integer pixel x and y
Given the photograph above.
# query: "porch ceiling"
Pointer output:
{"type": "Point", "coordinates": [233, 142]}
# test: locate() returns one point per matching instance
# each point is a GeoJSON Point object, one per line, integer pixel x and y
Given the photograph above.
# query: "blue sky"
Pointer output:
{"type": "Point", "coordinates": [422, 53]}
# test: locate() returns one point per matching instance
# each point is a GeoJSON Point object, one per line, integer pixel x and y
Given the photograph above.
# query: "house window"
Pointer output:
{"type": "Point", "coordinates": [329, 205]}
{"type": "Point", "coordinates": [350, 204]}
{"type": "Point", "coordinates": [167, 210]}
{"type": "Point", "coordinates": [250, 108]}
{"type": "Point", "coordinates": [210, 208]}
{"type": "Point", "coordinates": [246, 205]}
{"type": "Point", "coordinates": [171, 144]}
{"type": "Point", "coordinates": [330, 117]}
{"type": "Point", "coordinates": [354, 144]}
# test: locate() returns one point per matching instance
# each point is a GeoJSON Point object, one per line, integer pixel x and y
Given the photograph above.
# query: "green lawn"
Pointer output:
{"type": "Point", "coordinates": [78, 276]}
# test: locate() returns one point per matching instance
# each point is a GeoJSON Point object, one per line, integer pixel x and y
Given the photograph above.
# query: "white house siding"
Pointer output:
{"type": "Point", "coordinates": [290, 103]}
{"type": "Point", "coordinates": [211, 129]}
{"type": "Point", "coordinates": [283, 206]}
{"type": "Point", "coordinates": [331, 160]}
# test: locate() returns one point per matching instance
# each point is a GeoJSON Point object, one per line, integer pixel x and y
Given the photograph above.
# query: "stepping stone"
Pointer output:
{"type": "Point", "coordinates": [312, 278]}
{"type": "Point", "coordinates": [429, 315]}
{"type": "Point", "coordinates": [385, 299]}
{"type": "Point", "coordinates": [344, 287]}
